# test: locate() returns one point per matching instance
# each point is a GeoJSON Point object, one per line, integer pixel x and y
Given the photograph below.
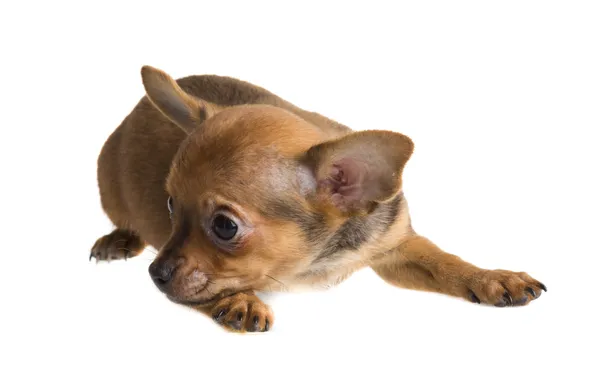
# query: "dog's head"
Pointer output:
{"type": "Point", "coordinates": [256, 192]}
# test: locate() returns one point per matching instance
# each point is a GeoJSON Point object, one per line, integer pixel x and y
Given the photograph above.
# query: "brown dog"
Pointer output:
{"type": "Point", "coordinates": [241, 191]}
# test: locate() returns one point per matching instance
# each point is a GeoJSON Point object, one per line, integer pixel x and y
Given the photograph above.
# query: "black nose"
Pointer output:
{"type": "Point", "coordinates": [161, 273]}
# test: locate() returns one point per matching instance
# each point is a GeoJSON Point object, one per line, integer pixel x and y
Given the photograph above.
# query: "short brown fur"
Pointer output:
{"type": "Point", "coordinates": [241, 191]}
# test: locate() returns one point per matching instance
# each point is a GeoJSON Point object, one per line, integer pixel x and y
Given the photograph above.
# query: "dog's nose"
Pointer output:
{"type": "Point", "coordinates": [161, 273]}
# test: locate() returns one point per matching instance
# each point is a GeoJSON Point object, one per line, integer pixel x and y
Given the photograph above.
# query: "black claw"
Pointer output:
{"type": "Point", "coordinates": [266, 325]}
{"type": "Point", "coordinates": [473, 297]}
{"type": "Point", "coordinates": [543, 287]}
{"type": "Point", "coordinates": [235, 324]}
{"type": "Point", "coordinates": [522, 301]}
{"type": "Point", "coordinates": [255, 324]}
{"type": "Point", "coordinates": [507, 298]}
{"type": "Point", "coordinates": [218, 317]}
{"type": "Point", "coordinates": [531, 291]}
{"type": "Point", "coordinates": [240, 316]}
{"type": "Point", "coordinates": [91, 255]}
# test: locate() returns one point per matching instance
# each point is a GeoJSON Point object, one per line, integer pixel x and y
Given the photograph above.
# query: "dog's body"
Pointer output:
{"type": "Point", "coordinates": [241, 190]}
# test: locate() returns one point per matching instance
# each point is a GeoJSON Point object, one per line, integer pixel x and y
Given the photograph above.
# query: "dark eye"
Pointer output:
{"type": "Point", "coordinates": [170, 205]}
{"type": "Point", "coordinates": [224, 227]}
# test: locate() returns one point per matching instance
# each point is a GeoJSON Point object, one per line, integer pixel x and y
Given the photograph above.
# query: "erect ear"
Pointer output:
{"type": "Point", "coordinates": [360, 169]}
{"type": "Point", "coordinates": [180, 107]}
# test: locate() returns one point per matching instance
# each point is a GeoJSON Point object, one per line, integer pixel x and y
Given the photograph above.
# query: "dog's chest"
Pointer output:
{"type": "Point", "coordinates": [327, 274]}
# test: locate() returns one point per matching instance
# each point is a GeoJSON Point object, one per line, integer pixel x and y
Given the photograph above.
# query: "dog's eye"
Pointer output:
{"type": "Point", "coordinates": [170, 205]}
{"type": "Point", "coordinates": [224, 227]}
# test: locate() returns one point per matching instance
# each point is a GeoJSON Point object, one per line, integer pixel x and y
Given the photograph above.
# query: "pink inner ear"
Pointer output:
{"type": "Point", "coordinates": [346, 183]}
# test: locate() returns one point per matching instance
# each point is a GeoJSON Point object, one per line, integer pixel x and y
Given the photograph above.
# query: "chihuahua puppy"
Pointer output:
{"type": "Point", "coordinates": [241, 191]}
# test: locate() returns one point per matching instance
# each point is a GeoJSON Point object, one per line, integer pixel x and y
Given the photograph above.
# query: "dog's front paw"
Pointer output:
{"type": "Point", "coordinates": [243, 312]}
{"type": "Point", "coordinates": [503, 288]}
{"type": "Point", "coordinates": [120, 244]}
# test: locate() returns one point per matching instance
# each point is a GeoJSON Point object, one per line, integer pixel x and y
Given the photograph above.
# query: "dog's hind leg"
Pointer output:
{"type": "Point", "coordinates": [123, 242]}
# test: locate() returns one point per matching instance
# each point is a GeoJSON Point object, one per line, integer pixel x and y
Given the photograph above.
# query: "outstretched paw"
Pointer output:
{"type": "Point", "coordinates": [503, 288]}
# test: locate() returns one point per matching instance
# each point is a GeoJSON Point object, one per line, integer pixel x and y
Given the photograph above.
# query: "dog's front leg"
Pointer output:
{"type": "Point", "coordinates": [419, 264]}
{"type": "Point", "coordinates": [241, 312]}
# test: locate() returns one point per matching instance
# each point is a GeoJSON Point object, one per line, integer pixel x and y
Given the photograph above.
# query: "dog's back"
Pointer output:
{"type": "Point", "coordinates": [135, 160]}
{"type": "Point", "coordinates": [226, 91]}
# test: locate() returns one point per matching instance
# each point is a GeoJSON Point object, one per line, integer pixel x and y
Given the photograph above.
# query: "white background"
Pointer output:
{"type": "Point", "coordinates": [501, 99]}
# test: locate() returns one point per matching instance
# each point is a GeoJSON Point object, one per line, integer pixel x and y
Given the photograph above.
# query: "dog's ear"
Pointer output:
{"type": "Point", "coordinates": [360, 169]}
{"type": "Point", "coordinates": [180, 107]}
